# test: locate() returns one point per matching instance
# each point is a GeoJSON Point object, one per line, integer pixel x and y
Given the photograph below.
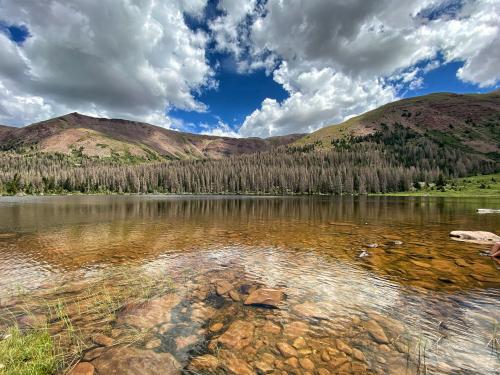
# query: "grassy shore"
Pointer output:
{"type": "Point", "coordinates": [475, 186]}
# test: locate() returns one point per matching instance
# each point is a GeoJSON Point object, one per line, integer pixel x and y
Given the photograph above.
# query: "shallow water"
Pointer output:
{"type": "Point", "coordinates": [433, 297]}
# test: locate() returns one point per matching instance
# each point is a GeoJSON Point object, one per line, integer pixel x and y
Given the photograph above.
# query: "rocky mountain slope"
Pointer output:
{"type": "Point", "coordinates": [100, 137]}
{"type": "Point", "coordinates": [468, 122]}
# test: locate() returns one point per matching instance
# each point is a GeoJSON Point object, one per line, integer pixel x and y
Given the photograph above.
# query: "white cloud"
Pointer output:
{"type": "Point", "coordinates": [317, 98]}
{"type": "Point", "coordinates": [220, 130]}
{"type": "Point", "coordinates": [130, 59]}
{"type": "Point", "coordinates": [340, 58]}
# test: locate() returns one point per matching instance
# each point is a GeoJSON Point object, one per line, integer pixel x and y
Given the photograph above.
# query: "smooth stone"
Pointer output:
{"type": "Point", "coordinates": [263, 367]}
{"type": "Point", "coordinates": [150, 313]}
{"type": "Point", "coordinates": [306, 364]}
{"type": "Point", "coordinates": [265, 297]}
{"type": "Point", "coordinates": [271, 328]}
{"type": "Point", "coordinates": [153, 344]}
{"type": "Point", "coordinates": [323, 371]}
{"type": "Point", "coordinates": [461, 263]}
{"type": "Point", "coordinates": [205, 362]}
{"type": "Point", "coordinates": [223, 287]}
{"type": "Point", "coordinates": [292, 362]}
{"type": "Point", "coordinates": [234, 295]}
{"type": "Point", "coordinates": [93, 354]}
{"type": "Point", "coordinates": [103, 340]}
{"type": "Point", "coordinates": [338, 361]}
{"type": "Point", "coordinates": [310, 310]}
{"type": "Point", "coordinates": [376, 331]}
{"type": "Point", "coordinates": [325, 356]}
{"type": "Point", "coordinates": [83, 368]}
{"type": "Point", "coordinates": [299, 343]}
{"type": "Point", "coordinates": [235, 365]}
{"type": "Point", "coordinates": [343, 347]}
{"type": "Point", "coordinates": [216, 327]}
{"type": "Point", "coordinates": [287, 350]}
{"type": "Point", "coordinates": [133, 361]}
{"type": "Point", "coordinates": [358, 354]}
{"type": "Point", "coordinates": [239, 334]}
{"type": "Point", "coordinates": [296, 329]}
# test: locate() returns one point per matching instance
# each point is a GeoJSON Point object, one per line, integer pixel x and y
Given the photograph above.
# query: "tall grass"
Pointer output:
{"type": "Point", "coordinates": [59, 324]}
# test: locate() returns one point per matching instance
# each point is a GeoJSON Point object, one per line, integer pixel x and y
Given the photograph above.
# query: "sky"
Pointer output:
{"type": "Point", "coordinates": [242, 68]}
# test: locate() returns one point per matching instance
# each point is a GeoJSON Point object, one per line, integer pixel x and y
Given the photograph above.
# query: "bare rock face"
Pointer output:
{"type": "Point", "coordinates": [265, 297]}
{"type": "Point", "coordinates": [238, 335]}
{"type": "Point", "coordinates": [133, 361]}
{"type": "Point", "coordinates": [479, 237]}
{"type": "Point", "coordinates": [150, 313]}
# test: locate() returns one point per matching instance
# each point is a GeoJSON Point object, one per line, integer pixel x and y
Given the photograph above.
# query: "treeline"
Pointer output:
{"type": "Point", "coordinates": [357, 166]}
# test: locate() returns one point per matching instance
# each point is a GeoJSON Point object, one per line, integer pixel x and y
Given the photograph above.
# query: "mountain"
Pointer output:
{"type": "Point", "coordinates": [469, 122]}
{"type": "Point", "coordinates": [78, 134]}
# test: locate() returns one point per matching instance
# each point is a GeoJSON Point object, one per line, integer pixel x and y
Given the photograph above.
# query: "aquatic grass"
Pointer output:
{"type": "Point", "coordinates": [71, 315]}
{"type": "Point", "coordinates": [32, 352]}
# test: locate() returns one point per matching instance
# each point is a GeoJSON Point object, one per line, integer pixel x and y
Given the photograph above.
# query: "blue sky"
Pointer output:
{"type": "Point", "coordinates": [239, 67]}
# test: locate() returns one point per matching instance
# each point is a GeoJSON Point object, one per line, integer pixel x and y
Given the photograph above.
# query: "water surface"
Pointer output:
{"type": "Point", "coordinates": [387, 260]}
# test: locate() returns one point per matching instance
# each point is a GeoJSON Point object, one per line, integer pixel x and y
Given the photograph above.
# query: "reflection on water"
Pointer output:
{"type": "Point", "coordinates": [428, 288]}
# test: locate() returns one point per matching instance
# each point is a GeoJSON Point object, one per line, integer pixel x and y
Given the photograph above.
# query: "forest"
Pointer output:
{"type": "Point", "coordinates": [391, 160]}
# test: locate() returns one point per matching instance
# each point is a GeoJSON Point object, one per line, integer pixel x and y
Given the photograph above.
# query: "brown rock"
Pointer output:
{"type": "Point", "coordinates": [376, 331]}
{"type": "Point", "coordinates": [103, 340]}
{"type": "Point", "coordinates": [133, 361]}
{"type": "Point", "coordinates": [223, 287]}
{"type": "Point", "coordinates": [150, 313]}
{"type": "Point", "coordinates": [287, 350]}
{"type": "Point", "coordinates": [216, 327]}
{"type": "Point", "coordinates": [296, 329]}
{"type": "Point", "coordinates": [82, 368]}
{"type": "Point", "coordinates": [299, 343]}
{"type": "Point", "coordinates": [271, 328]}
{"type": "Point", "coordinates": [235, 365]}
{"type": "Point", "coordinates": [93, 354]}
{"type": "Point", "coordinates": [310, 310]}
{"type": "Point", "coordinates": [292, 362]}
{"type": "Point", "coordinates": [263, 367]}
{"type": "Point", "coordinates": [461, 263]}
{"type": "Point", "coordinates": [358, 354]}
{"type": "Point", "coordinates": [343, 347]}
{"type": "Point", "coordinates": [358, 368]}
{"type": "Point", "coordinates": [234, 295]}
{"type": "Point", "coordinates": [338, 361]}
{"type": "Point", "coordinates": [306, 363]}
{"type": "Point", "coordinates": [323, 371]}
{"type": "Point", "coordinates": [238, 335]}
{"type": "Point", "coordinates": [205, 362]}
{"type": "Point", "coordinates": [265, 297]}
{"type": "Point", "coordinates": [325, 356]}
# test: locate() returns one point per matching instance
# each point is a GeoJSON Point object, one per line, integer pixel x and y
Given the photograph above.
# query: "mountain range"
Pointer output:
{"type": "Point", "coordinates": [469, 122]}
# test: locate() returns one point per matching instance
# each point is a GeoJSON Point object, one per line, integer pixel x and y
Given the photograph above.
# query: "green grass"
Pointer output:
{"type": "Point", "coordinates": [27, 353]}
{"type": "Point", "coordinates": [475, 186]}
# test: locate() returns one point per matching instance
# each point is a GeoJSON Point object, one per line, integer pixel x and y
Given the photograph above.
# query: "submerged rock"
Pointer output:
{"type": "Point", "coordinates": [133, 361]}
{"type": "Point", "coordinates": [265, 297]}
{"type": "Point", "coordinates": [310, 310]}
{"type": "Point", "coordinates": [205, 362]}
{"type": "Point", "coordinates": [376, 331]}
{"type": "Point", "coordinates": [235, 365]}
{"type": "Point", "coordinates": [150, 313]}
{"type": "Point", "coordinates": [83, 368]}
{"type": "Point", "coordinates": [223, 287]}
{"type": "Point", "coordinates": [238, 335]}
{"type": "Point", "coordinates": [479, 237]}
{"type": "Point", "coordinates": [287, 350]}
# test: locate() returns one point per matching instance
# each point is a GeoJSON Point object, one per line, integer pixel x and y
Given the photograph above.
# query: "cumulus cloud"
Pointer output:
{"type": "Point", "coordinates": [133, 59]}
{"type": "Point", "coordinates": [220, 130]}
{"type": "Point", "coordinates": [338, 58]}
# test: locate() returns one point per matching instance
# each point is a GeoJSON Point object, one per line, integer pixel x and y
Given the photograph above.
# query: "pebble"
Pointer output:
{"type": "Point", "coordinates": [306, 363]}
{"type": "Point", "coordinates": [216, 327]}
{"type": "Point", "coordinates": [83, 368]}
{"type": "Point", "coordinates": [287, 350]}
{"type": "Point", "coordinates": [103, 340]}
{"type": "Point", "coordinates": [299, 343]}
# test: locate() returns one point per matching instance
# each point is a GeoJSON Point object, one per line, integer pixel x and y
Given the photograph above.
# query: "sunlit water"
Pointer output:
{"type": "Point", "coordinates": [442, 294]}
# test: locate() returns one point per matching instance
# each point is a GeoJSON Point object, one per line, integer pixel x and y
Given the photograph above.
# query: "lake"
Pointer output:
{"type": "Point", "coordinates": [339, 284]}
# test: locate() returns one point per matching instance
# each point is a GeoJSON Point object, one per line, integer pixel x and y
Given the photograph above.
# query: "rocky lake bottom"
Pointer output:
{"type": "Point", "coordinates": [227, 285]}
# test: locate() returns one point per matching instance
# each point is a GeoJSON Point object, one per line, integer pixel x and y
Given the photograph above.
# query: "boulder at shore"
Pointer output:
{"type": "Point", "coordinates": [479, 237]}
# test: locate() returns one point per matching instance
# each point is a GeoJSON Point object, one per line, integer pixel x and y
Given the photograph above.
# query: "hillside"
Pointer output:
{"type": "Point", "coordinates": [76, 134]}
{"type": "Point", "coordinates": [468, 122]}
